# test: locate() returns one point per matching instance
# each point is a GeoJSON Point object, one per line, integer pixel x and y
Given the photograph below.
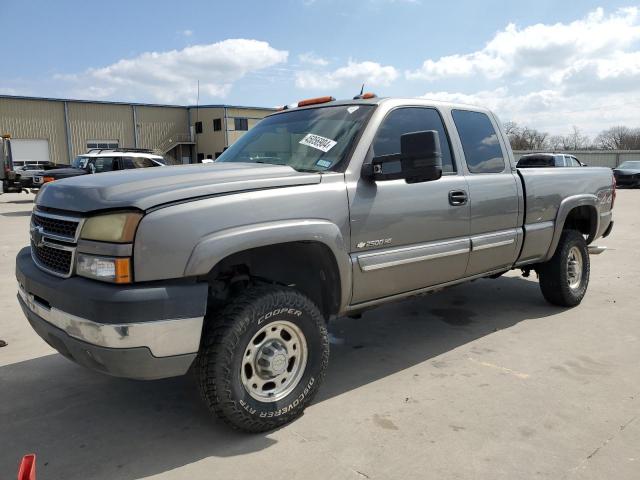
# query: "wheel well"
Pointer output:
{"type": "Point", "coordinates": [584, 219]}
{"type": "Point", "coordinates": [307, 266]}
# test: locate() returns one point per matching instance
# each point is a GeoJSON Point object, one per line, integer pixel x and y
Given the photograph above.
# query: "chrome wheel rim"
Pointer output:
{"type": "Point", "coordinates": [274, 361]}
{"type": "Point", "coordinates": [574, 268]}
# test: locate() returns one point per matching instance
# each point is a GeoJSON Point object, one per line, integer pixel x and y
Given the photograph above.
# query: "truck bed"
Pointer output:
{"type": "Point", "coordinates": [551, 194]}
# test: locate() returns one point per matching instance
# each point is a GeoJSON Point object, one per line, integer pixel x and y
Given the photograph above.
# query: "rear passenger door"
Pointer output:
{"type": "Point", "coordinates": [493, 193]}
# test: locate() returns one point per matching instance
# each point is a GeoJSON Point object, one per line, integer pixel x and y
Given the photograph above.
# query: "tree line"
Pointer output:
{"type": "Point", "coordinates": [614, 138]}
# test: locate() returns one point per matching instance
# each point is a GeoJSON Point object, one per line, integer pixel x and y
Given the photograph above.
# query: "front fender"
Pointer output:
{"type": "Point", "coordinates": [566, 206]}
{"type": "Point", "coordinates": [213, 248]}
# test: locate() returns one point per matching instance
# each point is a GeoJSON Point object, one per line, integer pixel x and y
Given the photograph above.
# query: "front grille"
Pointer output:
{"type": "Point", "coordinates": [56, 226]}
{"type": "Point", "coordinates": [54, 259]}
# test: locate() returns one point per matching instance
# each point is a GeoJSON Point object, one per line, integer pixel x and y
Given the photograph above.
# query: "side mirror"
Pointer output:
{"type": "Point", "coordinates": [420, 160]}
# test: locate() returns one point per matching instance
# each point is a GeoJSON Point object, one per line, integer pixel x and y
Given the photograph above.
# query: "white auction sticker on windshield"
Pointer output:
{"type": "Point", "coordinates": [318, 142]}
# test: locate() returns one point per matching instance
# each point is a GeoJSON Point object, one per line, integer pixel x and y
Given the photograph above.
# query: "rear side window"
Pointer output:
{"type": "Point", "coordinates": [480, 142]}
{"type": "Point", "coordinates": [103, 164]}
{"type": "Point", "coordinates": [137, 162]}
{"type": "Point", "coordinates": [408, 120]}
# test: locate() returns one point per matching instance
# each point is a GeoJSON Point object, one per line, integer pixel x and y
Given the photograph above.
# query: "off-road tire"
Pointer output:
{"type": "Point", "coordinates": [553, 274]}
{"type": "Point", "coordinates": [228, 334]}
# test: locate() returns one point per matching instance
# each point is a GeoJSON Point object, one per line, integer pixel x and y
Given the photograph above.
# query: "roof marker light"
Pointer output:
{"type": "Point", "coordinates": [365, 96]}
{"type": "Point", "coordinates": [315, 101]}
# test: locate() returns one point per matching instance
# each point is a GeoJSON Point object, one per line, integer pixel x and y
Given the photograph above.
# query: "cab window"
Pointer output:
{"type": "Point", "coordinates": [482, 150]}
{"type": "Point", "coordinates": [408, 120]}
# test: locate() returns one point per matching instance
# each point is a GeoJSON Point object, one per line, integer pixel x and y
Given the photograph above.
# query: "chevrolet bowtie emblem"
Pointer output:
{"type": "Point", "coordinates": [37, 235]}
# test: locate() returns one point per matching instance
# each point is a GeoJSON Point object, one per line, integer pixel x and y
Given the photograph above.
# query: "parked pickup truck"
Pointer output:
{"type": "Point", "coordinates": [326, 209]}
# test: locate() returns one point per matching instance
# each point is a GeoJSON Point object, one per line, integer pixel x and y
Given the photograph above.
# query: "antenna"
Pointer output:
{"type": "Point", "coordinates": [197, 117]}
{"type": "Point", "coordinates": [197, 100]}
{"type": "Point", "coordinates": [362, 89]}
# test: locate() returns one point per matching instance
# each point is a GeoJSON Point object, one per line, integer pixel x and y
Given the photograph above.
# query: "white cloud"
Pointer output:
{"type": "Point", "coordinates": [554, 111]}
{"type": "Point", "coordinates": [553, 51]}
{"type": "Point", "coordinates": [312, 59]}
{"type": "Point", "coordinates": [585, 73]}
{"type": "Point", "coordinates": [186, 33]}
{"type": "Point", "coordinates": [171, 76]}
{"type": "Point", "coordinates": [370, 73]}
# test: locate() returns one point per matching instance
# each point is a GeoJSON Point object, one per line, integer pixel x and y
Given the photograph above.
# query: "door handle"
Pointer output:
{"type": "Point", "coordinates": [457, 197]}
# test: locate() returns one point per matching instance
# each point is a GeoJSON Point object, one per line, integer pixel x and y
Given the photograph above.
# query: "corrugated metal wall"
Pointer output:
{"type": "Point", "coordinates": [157, 124]}
{"type": "Point", "coordinates": [36, 119]}
{"type": "Point", "coordinates": [594, 158]}
{"type": "Point", "coordinates": [91, 121]}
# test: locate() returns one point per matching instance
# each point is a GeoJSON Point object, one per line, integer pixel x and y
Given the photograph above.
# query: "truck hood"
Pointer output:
{"type": "Point", "coordinates": [626, 171]}
{"type": "Point", "coordinates": [145, 188]}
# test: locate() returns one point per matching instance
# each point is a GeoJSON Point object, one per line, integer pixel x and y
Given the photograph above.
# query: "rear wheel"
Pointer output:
{"type": "Point", "coordinates": [263, 358]}
{"type": "Point", "coordinates": [564, 278]}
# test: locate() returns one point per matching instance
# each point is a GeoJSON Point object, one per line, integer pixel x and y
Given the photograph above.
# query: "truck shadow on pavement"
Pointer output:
{"type": "Point", "coordinates": [21, 213]}
{"type": "Point", "coordinates": [86, 425]}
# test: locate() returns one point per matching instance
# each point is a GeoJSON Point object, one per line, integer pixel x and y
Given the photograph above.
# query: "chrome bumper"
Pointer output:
{"type": "Point", "coordinates": [164, 338]}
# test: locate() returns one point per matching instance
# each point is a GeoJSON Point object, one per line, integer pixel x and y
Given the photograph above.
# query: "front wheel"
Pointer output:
{"type": "Point", "coordinates": [263, 358]}
{"type": "Point", "coordinates": [564, 278]}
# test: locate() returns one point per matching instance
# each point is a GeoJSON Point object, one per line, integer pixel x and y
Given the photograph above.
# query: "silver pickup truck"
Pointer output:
{"type": "Point", "coordinates": [326, 209]}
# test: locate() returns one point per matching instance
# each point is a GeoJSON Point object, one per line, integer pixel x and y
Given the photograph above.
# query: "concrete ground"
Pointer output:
{"type": "Point", "coordinates": [482, 381]}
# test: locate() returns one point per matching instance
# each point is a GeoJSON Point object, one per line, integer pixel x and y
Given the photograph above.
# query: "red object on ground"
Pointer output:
{"type": "Point", "coordinates": [27, 469]}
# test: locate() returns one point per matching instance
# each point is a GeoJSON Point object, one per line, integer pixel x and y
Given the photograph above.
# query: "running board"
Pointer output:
{"type": "Point", "coordinates": [596, 250]}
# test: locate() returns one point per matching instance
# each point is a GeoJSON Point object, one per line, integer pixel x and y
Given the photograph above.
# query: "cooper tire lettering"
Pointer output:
{"type": "Point", "coordinates": [225, 339]}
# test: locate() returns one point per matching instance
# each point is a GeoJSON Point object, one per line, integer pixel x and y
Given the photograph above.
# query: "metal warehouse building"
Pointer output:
{"type": "Point", "coordinates": [57, 130]}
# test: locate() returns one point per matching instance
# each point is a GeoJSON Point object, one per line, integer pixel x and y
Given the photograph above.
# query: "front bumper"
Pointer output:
{"type": "Point", "coordinates": [143, 331]}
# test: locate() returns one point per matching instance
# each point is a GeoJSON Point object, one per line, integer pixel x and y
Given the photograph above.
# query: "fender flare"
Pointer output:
{"type": "Point", "coordinates": [565, 208]}
{"type": "Point", "coordinates": [215, 247]}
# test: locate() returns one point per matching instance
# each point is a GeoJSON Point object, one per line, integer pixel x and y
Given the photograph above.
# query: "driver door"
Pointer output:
{"type": "Point", "coordinates": [408, 236]}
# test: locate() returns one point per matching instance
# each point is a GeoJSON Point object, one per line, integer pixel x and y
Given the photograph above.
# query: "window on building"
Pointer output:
{"type": "Point", "coordinates": [217, 124]}
{"type": "Point", "coordinates": [218, 154]}
{"type": "Point", "coordinates": [480, 142]}
{"type": "Point", "coordinates": [241, 123]}
{"type": "Point", "coordinates": [210, 156]}
{"type": "Point", "coordinates": [102, 144]}
{"type": "Point", "coordinates": [407, 120]}
{"type": "Point", "coordinates": [198, 127]}
{"type": "Point", "coordinates": [200, 157]}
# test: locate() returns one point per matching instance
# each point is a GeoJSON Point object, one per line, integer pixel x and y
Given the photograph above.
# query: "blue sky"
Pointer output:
{"type": "Point", "coordinates": [549, 64]}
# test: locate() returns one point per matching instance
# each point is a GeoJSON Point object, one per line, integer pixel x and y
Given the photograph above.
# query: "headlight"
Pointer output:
{"type": "Point", "coordinates": [111, 227]}
{"type": "Point", "coordinates": [107, 269]}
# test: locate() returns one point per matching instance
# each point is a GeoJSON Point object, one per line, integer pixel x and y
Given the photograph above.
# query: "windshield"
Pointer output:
{"type": "Point", "coordinates": [631, 164]}
{"type": "Point", "coordinates": [80, 162]}
{"type": "Point", "coordinates": [312, 140]}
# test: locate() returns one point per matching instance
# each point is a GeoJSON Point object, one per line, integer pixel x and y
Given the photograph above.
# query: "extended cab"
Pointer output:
{"type": "Point", "coordinates": [321, 210]}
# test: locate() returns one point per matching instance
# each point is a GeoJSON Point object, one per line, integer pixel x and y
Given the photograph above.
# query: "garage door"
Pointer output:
{"type": "Point", "coordinates": [30, 150]}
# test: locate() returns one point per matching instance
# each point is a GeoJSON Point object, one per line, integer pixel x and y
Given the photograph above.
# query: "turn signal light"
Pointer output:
{"type": "Point", "coordinates": [47, 179]}
{"type": "Point", "coordinates": [315, 101]}
{"type": "Point", "coordinates": [123, 270]}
